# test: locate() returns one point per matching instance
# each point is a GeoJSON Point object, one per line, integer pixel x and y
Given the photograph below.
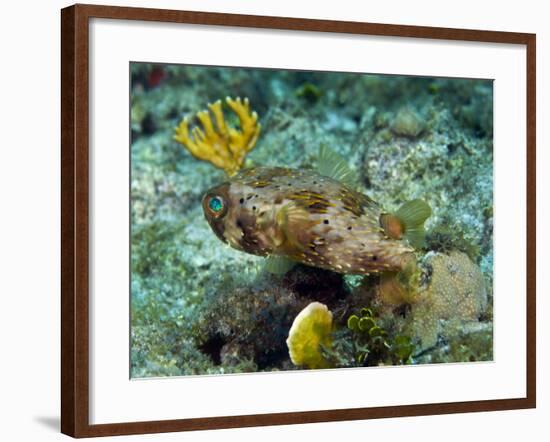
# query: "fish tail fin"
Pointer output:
{"type": "Point", "coordinates": [412, 215]}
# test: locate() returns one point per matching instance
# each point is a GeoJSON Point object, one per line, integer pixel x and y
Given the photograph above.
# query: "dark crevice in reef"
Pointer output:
{"type": "Point", "coordinates": [314, 283]}
{"type": "Point", "coordinates": [213, 347]}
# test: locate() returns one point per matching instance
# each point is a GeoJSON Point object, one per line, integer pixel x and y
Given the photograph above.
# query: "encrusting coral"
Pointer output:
{"type": "Point", "coordinates": [456, 294]}
{"type": "Point", "coordinates": [222, 145]}
{"type": "Point", "coordinates": [457, 288]}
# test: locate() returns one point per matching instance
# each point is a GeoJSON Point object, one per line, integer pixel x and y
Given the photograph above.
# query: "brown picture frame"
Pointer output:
{"type": "Point", "coordinates": [75, 219]}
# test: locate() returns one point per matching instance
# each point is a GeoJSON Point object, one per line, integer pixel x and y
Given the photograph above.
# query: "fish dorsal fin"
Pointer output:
{"type": "Point", "coordinates": [331, 164]}
{"type": "Point", "coordinates": [278, 265]}
{"type": "Point", "coordinates": [412, 216]}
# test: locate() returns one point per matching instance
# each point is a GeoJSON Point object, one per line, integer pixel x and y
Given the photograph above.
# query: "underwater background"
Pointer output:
{"type": "Point", "coordinates": [200, 307]}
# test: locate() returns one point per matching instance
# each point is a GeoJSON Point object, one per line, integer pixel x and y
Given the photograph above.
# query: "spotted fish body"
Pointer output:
{"type": "Point", "coordinates": [306, 217]}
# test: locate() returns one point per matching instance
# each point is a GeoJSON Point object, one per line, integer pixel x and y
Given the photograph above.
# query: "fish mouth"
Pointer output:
{"type": "Point", "coordinates": [216, 224]}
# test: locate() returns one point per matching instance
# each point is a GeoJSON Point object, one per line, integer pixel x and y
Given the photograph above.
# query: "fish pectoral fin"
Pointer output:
{"type": "Point", "coordinates": [331, 164]}
{"type": "Point", "coordinates": [292, 219]}
{"type": "Point", "coordinates": [412, 215]}
{"type": "Point", "coordinates": [278, 265]}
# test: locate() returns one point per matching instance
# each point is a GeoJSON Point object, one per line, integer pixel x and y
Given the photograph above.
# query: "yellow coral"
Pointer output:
{"type": "Point", "coordinates": [223, 146]}
{"type": "Point", "coordinates": [310, 330]}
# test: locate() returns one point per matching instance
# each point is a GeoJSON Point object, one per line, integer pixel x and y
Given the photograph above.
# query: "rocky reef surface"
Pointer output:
{"type": "Point", "coordinates": [200, 307]}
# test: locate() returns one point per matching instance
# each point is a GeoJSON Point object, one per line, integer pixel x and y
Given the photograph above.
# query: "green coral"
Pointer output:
{"type": "Point", "coordinates": [368, 343]}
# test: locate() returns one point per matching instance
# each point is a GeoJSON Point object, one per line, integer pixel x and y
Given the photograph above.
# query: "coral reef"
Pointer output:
{"type": "Point", "coordinates": [238, 322]}
{"type": "Point", "coordinates": [451, 305]}
{"type": "Point", "coordinates": [199, 307]}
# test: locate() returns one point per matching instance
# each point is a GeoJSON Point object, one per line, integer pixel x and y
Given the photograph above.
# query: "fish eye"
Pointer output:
{"type": "Point", "coordinates": [216, 205]}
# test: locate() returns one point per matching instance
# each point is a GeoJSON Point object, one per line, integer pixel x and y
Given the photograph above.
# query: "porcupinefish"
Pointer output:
{"type": "Point", "coordinates": [307, 217]}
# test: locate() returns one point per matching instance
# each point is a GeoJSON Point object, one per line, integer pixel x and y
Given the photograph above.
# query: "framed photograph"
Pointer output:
{"type": "Point", "coordinates": [272, 220]}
